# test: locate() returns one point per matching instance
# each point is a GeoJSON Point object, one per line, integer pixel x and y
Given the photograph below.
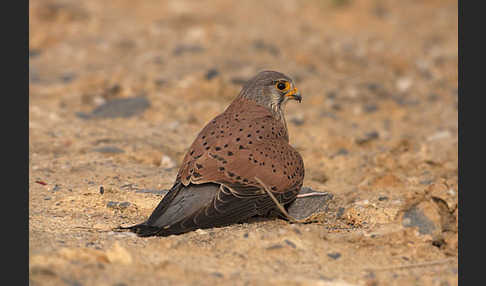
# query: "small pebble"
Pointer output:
{"type": "Point", "coordinates": [160, 82]}
{"type": "Point", "coordinates": [290, 243]}
{"type": "Point", "coordinates": [217, 274]}
{"type": "Point", "coordinates": [336, 106]}
{"type": "Point", "coordinates": [438, 242]}
{"type": "Point", "coordinates": [124, 205]}
{"type": "Point", "coordinates": [368, 137]}
{"type": "Point", "coordinates": [334, 255]}
{"type": "Point", "coordinates": [403, 84]}
{"type": "Point", "coordinates": [296, 230]}
{"type": "Point", "coordinates": [112, 204]}
{"type": "Point", "coordinates": [166, 162]}
{"type": "Point", "coordinates": [68, 77]}
{"type": "Point", "coordinates": [373, 86]}
{"type": "Point", "coordinates": [331, 94]}
{"type": "Point", "coordinates": [112, 91]}
{"type": "Point", "coordinates": [212, 73]}
{"type": "Point", "coordinates": [340, 212]}
{"type": "Point", "coordinates": [404, 101]}
{"type": "Point", "coordinates": [426, 182]}
{"type": "Point", "coordinates": [275, 246]}
{"type": "Point", "coordinates": [341, 151]}
{"type": "Point", "coordinates": [439, 135]}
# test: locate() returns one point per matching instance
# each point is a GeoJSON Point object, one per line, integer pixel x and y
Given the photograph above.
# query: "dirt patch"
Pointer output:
{"type": "Point", "coordinates": [118, 91]}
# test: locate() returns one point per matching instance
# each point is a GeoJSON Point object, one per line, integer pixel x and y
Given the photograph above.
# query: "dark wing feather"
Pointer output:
{"type": "Point", "coordinates": [207, 205]}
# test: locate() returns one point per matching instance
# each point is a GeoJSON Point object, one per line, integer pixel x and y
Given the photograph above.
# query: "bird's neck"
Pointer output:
{"type": "Point", "coordinates": [279, 115]}
{"type": "Point", "coordinates": [251, 107]}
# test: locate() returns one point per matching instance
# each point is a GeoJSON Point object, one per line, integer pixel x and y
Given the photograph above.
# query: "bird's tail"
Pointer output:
{"type": "Point", "coordinates": [147, 228]}
{"type": "Point", "coordinates": [140, 229]}
{"type": "Point", "coordinates": [178, 204]}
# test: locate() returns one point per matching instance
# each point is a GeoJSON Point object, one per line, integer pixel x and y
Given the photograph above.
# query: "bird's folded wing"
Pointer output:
{"type": "Point", "coordinates": [187, 208]}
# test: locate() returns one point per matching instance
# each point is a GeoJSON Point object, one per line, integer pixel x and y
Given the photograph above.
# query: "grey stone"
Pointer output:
{"type": "Point", "coordinates": [118, 108]}
{"type": "Point", "coordinates": [415, 217]}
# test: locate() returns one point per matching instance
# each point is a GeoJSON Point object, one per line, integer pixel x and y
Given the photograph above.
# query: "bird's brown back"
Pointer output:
{"type": "Point", "coordinates": [245, 133]}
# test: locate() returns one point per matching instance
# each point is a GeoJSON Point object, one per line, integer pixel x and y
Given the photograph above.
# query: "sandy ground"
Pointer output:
{"type": "Point", "coordinates": [377, 129]}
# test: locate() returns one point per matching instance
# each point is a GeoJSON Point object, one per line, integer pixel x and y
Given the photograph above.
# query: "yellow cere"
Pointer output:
{"type": "Point", "coordinates": [292, 92]}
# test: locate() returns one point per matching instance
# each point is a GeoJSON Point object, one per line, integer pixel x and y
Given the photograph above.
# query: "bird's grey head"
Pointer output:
{"type": "Point", "coordinates": [271, 89]}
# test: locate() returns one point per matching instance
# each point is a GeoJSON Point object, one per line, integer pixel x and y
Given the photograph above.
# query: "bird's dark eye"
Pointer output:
{"type": "Point", "coordinates": [282, 85]}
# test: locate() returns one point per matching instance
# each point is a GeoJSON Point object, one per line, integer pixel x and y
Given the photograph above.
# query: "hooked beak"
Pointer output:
{"type": "Point", "coordinates": [294, 94]}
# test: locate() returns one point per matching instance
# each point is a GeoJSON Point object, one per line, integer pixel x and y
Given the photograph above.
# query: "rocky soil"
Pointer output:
{"type": "Point", "coordinates": [119, 89]}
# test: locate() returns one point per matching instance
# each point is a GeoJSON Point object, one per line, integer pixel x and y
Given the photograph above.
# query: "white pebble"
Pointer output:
{"type": "Point", "coordinates": [439, 135]}
{"type": "Point", "coordinates": [166, 162]}
{"type": "Point", "coordinates": [403, 84]}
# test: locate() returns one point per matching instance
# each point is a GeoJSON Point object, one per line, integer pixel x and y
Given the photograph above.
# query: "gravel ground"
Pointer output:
{"type": "Point", "coordinates": [119, 89]}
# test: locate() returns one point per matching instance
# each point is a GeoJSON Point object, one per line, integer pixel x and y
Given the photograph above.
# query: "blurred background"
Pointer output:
{"type": "Point", "coordinates": [135, 44]}
{"type": "Point", "coordinates": [118, 90]}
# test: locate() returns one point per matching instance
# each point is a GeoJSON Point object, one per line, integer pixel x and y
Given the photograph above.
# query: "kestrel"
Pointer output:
{"type": "Point", "coordinates": [239, 166]}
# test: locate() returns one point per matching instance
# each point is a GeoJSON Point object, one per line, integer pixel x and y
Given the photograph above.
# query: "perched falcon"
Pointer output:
{"type": "Point", "coordinates": [238, 154]}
